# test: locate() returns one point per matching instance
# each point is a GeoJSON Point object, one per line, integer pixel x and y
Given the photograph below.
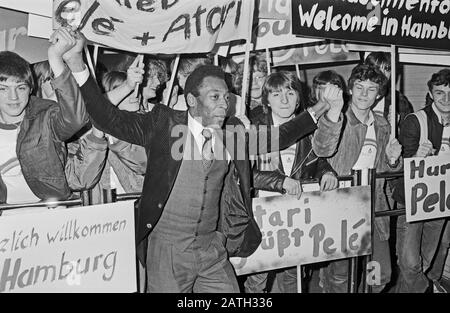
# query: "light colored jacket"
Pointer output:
{"type": "Point", "coordinates": [353, 135]}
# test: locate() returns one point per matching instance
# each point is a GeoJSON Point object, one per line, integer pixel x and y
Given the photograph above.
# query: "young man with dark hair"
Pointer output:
{"type": "Point", "coordinates": [33, 130]}
{"type": "Point", "coordinates": [418, 243]}
{"type": "Point", "coordinates": [365, 145]}
{"type": "Point", "coordinates": [193, 214]}
{"type": "Point", "coordinates": [285, 171]}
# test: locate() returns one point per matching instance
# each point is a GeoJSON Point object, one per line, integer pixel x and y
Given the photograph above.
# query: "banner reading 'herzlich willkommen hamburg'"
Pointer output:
{"type": "Point", "coordinates": [160, 26]}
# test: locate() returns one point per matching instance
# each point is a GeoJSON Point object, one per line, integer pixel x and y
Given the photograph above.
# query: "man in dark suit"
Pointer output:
{"type": "Point", "coordinates": [195, 210]}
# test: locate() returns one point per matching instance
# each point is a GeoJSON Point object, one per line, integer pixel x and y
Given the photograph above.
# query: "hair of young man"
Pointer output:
{"type": "Point", "coordinates": [379, 60]}
{"type": "Point", "coordinates": [323, 78]}
{"type": "Point", "coordinates": [440, 78]}
{"type": "Point", "coordinates": [195, 81]}
{"type": "Point", "coordinates": [277, 81]}
{"type": "Point", "coordinates": [60, 9]}
{"type": "Point", "coordinates": [42, 73]}
{"type": "Point", "coordinates": [365, 72]}
{"type": "Point", "coordinates": [158, 67]}
{"type": "Point", "coordinates": [111, 78]}
{"type": "Point", "coordinates": [188, 64]}
{"type": "Point", "coordinates": [14, 66]}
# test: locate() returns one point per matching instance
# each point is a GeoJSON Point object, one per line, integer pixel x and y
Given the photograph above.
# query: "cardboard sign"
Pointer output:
{"type": "Point", "coordinates": [427, 190]}
{"type": "Point", "coordinates": [318, 227]}
{"type": "Point", "coordinates": [14, 37]}
{"type": "Point", "coordinates": [158, 27]}
{"type": "Point", "coordinates": [410, 23]}
{"type": "Point", "coordinates": [84, 249]}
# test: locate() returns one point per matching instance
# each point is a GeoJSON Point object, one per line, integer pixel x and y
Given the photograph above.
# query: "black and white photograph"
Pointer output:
{"type": "Point", "coordinates": [225, 152]}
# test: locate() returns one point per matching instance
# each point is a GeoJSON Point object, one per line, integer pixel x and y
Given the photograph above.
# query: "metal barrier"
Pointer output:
{"type": "Point", "coordinates": [356, 179]}
{"type": "Point", "coordinates": [82, 201]}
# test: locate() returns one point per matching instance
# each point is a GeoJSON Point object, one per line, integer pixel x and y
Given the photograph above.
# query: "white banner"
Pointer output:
{"type": "Point", "coordinates": [165, 26]}
{"type": "Point", "coordinates": [318, 227]}
{"type": "Point", "coordinates": [427, 191]}
{"type": "Point", "coordinates": [86, 249]}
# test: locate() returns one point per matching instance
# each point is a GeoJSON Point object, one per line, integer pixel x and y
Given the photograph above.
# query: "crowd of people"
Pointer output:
{"type": "Point", "coordinates": [63, 131]}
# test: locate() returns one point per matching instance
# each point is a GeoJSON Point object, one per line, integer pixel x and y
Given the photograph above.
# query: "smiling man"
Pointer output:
{"type": "Point", "coordinates": [33, 130]}
{"type": "Point", "coordinates": [418, 243]}
{"type": "Point", "coordinates": [365, 145]}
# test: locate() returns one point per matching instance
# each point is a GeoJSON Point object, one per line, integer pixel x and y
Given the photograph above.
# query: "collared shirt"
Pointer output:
{"type": "Point", "coordinates": [196, 129]}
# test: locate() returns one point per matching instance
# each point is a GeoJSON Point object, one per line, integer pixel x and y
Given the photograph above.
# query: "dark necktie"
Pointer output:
{"type": "Point", "coordinates": [207, 153]}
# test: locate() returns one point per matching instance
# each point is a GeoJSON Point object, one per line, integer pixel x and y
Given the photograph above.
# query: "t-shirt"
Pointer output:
{"type": "Point", "coordinates": [368, 153]}
{"type": "Point", "coordinates": [10, 170]}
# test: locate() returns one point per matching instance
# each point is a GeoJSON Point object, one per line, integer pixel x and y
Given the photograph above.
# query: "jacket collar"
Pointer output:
{"type": "Point", "coordinates": [353, 120]}
{"type": "Point", "coordinates": [36, 106]}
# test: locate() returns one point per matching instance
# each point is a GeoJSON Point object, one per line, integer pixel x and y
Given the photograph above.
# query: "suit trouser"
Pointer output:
{"type": "Point", "coordinates": [200, 269]}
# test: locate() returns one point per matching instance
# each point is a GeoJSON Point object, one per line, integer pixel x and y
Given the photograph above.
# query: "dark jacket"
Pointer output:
{"type": "Point", "coordinates": [403, 106]}
{"type": "Point", "coordinates": [40, 144]}
{"type": "Point", "coordinates": [410, 140]}
{"type": "Point", "coordinates": [306, 163]}
{"type": "Point", "coordinates": [159, 132]}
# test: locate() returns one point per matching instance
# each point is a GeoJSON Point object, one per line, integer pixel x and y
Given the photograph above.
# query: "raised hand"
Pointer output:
{"type": "Point", "coordinates": [77, 51]}
{"type": "Point", "coordinates": [333, 96]}
{"type": "Point", "coordinates": [135, 73]}
{"type": "Point", "coordinates": [61, 41]}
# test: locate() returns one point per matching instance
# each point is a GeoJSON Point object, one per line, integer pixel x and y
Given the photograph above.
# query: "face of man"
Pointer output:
{"type": "Point", "coordinates": [283, 102]}
{"type": "Point", "coordinates": [212, 103]}
{"type": "Point", "coordinates": [14, 96]}
{"type": "Point", "coordinates": [153, 82]}
{"type": "Point", "coordinates": [364, 94]}
{"type": "Point", "coordinates": [71, 13]}
{"type": "Point", "coordinates": [441, 97]}
{"type": "Point", "coordinates": [256, 85]}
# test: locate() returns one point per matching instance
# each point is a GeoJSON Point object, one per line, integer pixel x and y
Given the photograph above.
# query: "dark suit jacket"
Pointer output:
{"type": "Point", "coordinates": [160, 132]}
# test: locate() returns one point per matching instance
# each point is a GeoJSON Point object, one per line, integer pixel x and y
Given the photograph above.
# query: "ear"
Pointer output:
{"type": "Point", "coordinates": [191, 101]}
{"type": "Point", "coordinates": [431, 95]}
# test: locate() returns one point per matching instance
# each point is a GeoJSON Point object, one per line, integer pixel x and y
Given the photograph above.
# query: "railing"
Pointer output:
{"type": "Point", "coordinates": [356, 178]}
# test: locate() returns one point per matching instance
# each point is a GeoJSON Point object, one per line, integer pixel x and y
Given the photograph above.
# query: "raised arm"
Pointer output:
{"type": "Point", "coordinates": [72, 115]}
{"type": "Point", "coordinates": [128, 126]}
{"type": "Point", "coordinates": [326, 137]}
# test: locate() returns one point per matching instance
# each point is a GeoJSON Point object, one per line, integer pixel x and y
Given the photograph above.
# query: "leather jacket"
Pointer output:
{"type": "Point", "coordinates": [306, 165]}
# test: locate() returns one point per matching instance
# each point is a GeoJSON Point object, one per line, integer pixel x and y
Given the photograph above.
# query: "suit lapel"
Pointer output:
{"type": "Point", "coordinates": [178, 128]}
